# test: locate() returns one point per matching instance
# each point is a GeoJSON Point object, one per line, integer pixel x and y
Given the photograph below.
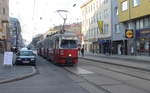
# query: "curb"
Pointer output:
{"type": "Point", "coordinates": [34, 72]}
{"type": "Point", "coordinates": [124, 58]}
{"type": "Point", "coordinates": [116, 64]}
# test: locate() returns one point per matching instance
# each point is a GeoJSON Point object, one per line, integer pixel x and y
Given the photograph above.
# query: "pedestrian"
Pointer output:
{"type": "Point", "coordinates": [79, 50]}
{"type": "Point", "coordinates": [82, 51]}
{"type": "Point", "coordinates": [121, 49]}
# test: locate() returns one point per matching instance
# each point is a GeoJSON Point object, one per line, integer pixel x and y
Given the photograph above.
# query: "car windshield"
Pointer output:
{"type": "Point", "coordinates": [68, 44]}
{"type": "Point", "coordinates": [26, 53]}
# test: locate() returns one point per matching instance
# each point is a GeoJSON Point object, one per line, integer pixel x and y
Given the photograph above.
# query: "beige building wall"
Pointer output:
{"type": "Point", "coordinates": [133, 12]}
{"type": "Point", "coordinates": [92, 12]}
{"type": "Point", "coordinates": [4, 23]}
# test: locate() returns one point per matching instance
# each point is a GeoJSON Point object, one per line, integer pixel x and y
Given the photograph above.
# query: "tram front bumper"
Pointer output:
{"type": "Point", "coordinates": [69, 60]}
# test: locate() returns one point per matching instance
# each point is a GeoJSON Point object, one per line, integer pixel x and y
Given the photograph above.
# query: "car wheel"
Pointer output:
{"type": "Point", "coordinates": [16, 63]}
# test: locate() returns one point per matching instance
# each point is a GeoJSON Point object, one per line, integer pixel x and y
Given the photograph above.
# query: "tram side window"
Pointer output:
{"type": "Point", "coordinates": [53, 44]}
{"type": "Point", "coordinates": [68, 44]}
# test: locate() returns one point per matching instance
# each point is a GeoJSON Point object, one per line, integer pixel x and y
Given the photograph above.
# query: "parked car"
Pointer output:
{"type": "Point", "coordinates": [26, 57]}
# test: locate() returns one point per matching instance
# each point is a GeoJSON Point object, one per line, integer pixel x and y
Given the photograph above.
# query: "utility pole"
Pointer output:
{"type": "Point", "coordinates": [16, 37]}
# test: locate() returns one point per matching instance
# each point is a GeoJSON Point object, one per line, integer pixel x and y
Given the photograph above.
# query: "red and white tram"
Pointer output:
{"type": "Point", "coordinates": [60, 48]}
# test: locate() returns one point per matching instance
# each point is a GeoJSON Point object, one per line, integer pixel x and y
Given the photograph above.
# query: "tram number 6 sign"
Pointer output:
{"type": "Point", "coordinates": [129, 33]}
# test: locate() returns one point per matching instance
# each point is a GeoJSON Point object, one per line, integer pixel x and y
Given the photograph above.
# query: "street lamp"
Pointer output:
{"type": "Point", "coordinates": [63, 17]}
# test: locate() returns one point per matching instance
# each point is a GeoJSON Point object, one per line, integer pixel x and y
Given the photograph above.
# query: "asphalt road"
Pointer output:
{"type": "Point", "coordinates": [52, 79]}
{"type": "Point", "coordinates": [87, 77]}
{"type": "Point", "coordinates": [112, 78]}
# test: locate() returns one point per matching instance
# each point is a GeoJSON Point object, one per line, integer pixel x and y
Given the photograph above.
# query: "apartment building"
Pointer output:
{"type": "Point", "coordinates": [100, 26]}
{"type": "Point", "coordinates": [135, 17]}
{"type": "Point", "coordinates": [4, 25]}
{"type": "Point", "coordinates": [16, 39]}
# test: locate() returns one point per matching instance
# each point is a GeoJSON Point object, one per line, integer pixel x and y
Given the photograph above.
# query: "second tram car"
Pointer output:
{"type": "Point", "coordinates": [60, 48]}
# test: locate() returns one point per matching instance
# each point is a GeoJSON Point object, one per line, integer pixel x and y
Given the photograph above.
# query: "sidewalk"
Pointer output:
{"type": "Point", "coordinates": [139, 62]}
{"type": "Point", "coordinates": [124, 57]}
{"type": "Point", "coordinates": [12, 73]}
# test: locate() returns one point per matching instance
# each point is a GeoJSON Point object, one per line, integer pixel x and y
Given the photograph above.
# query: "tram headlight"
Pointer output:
{"type": "Point", "coordinates": [69, 55]}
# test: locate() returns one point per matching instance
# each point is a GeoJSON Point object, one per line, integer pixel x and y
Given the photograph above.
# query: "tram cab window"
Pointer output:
{"type": "Point", "coordinates": [57, 43]}
{"type": "Point", "coordinates": [68, 44]}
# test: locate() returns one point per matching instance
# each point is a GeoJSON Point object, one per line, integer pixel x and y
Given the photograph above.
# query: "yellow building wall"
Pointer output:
{"type": "Point", "coordinates": [123, 15]}
{"type": "Point", "coordinates": [133, 12]}
{"type": "Point", "coordinates": [141, 10]}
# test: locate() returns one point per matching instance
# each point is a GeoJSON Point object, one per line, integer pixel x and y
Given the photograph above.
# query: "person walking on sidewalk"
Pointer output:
{"type": "Point", "coordinates": [82, 51]}
{"type": "Point", "coordinates": [79, 50]}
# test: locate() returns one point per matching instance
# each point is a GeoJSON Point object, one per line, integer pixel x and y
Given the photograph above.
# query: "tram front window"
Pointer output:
{"type": "Point", "coordinates": [68, 44]}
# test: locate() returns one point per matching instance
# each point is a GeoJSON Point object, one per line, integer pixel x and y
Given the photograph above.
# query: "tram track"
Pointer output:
{"type": "Point", "coordinates": [101, 66]}
{"type": "Point", "coordinates": [88, 81]}
{"type": "Point", "coordinates": [132, 74]}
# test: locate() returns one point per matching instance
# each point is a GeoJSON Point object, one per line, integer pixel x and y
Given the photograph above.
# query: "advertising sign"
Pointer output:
{"type": "Point", "coordinates": [100, 26]}
{"type": "Point", "coordinates": [129, 34]}
{"type": "Point", "coordinates": [8, 58]}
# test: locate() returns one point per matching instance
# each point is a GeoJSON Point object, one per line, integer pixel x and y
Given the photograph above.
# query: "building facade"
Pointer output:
{"type": "Point", "coordinates": [101, 29]}
{"type": "Point", "coordinates": [4, 25]}
{"type": "Point", "coordinates": [135, 17]}
{"type": "Point", "coordinates": [75, 28]}
{"type": "Point", "coordinates": [15, 33]}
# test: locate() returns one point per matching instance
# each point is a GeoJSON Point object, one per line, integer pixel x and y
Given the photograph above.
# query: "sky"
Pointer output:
{"type": "Point", "coordinates": [37, 16]}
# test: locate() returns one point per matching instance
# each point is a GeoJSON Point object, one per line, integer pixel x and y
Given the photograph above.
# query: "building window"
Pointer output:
{"type": "Point", "coordinates": [137, 24]}
{"type": "Point", "coordinates": [106, 28]}
{"type": "Point", "coordinates": [94, 6]}
{"type": "Point", "coordinates": [117, 28]}
{"type": "Point", "coordinates": [97, 4]}
{"type": "Point", "coordinates": [135, 2]}
{"type": "Point", "coordinates": [124, 5]}
{"type": "Point", "coordinates": [146, 22]}
{"type": "Point", "coordinates": [106, 13]}
{"type": "Point", "coordinates": [141, 24]}
{"type": "Point", "coordinates": [97, 31]}
{"type": "Point", "coordinates": [149, 21]}
{"type": "Point", "coordinates": [92, 32]}
{"type": "Point", "coordinates": [105, 1]}
{"type": "Point", "coordinates": [99, 16]}
{"type": "Point", "coordinates": [4, 11]}
{"type": "Point", "coordinates": [91, 8]}
{"type": "Point", "coordinates": [116, 11]}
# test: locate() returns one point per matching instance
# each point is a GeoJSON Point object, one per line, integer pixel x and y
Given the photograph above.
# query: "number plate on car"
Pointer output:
{"type": "Point", "coordinates": [25, 61]}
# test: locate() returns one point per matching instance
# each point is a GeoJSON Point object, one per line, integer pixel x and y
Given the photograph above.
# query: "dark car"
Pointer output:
{"type": "Point", "coordinates": [26, 57]}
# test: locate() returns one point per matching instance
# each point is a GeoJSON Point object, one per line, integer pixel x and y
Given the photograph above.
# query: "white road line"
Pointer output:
{"type": "Point", "coordinates": [83, 71]}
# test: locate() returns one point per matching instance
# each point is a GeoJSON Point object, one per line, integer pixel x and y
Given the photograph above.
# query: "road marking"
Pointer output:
{"type": "Point", "coordinates": [83, 71]}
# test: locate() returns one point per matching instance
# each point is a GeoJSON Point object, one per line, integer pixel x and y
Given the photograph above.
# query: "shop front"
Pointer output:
{"type": "Point", "coordinates": [2, 46]}
{"type": "Point", "coordinates": [95, 47]}
{"type": "Point", "coordinates": [105, 46]}
{"type": "Point", "coordinates": [143, 41]}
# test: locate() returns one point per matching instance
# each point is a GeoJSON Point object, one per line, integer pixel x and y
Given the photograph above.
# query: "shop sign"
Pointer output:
{"type": "Point", "coordinates": [129, 33]}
